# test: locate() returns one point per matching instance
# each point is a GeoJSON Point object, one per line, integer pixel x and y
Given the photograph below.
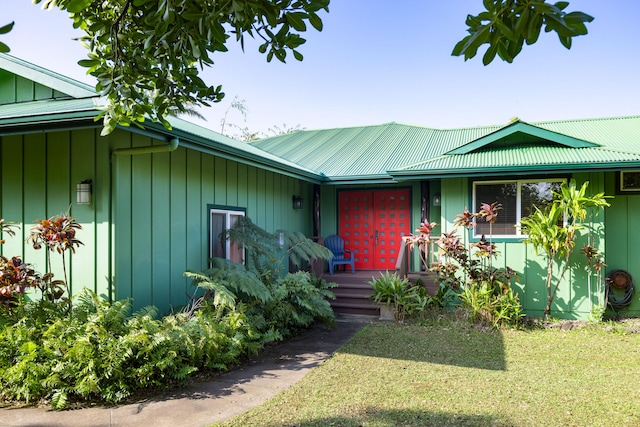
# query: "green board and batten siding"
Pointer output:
{"type": "Point", "coordinates": [38, 182]}
{"type": "Point", "coordinates": [159, 217]}
{"type": "Point", "coordinates": [572, 297]}
{"type": "Point", "coordinates": [622, 224]}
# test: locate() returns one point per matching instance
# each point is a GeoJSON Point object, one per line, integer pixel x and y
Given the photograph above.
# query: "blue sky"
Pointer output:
{"type": "Point", "coordinates": [375, 64]}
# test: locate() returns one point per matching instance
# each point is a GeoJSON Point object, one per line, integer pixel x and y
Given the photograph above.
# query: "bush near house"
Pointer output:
{"type": "Point", "coordinates": [465, 272]}
{"type": "Point", "coordinates": [62, 353]}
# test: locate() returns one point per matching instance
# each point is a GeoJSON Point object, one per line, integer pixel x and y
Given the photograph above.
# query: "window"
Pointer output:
{"type": "Point", "coordinates": [517, 198]}
{"type": "Point", "coordinates": [220, 220]}
{"type": "Point", "coordinates": [630, 181]}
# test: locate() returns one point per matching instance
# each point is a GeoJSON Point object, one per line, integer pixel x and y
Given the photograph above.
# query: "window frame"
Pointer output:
{"type": "Point", "coordinates": [621, 188]}
{"type": "Point", "coordinates": [519, 182]}
{"type": "Point", "coordinates": [228, 212]}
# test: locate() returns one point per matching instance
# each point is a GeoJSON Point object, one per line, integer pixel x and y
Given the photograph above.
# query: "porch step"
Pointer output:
{"type": "Point", "coordinates": [353, 294]}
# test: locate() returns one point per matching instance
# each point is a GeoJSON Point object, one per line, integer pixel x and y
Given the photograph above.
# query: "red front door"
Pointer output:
{"type": "Point", "coordinates": [372, 224]}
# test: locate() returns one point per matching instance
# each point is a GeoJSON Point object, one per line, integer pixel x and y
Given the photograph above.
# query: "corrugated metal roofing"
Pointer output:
{"type": "Point", "coordinates": [44, 114]}
{"type": "Point", "coordinates": [395, 149]}
{"type": "Point", "coordinates": [517, 159]}
{"type": "Point", "coordinates": [367, 151]}
{"type": "Point", "coordinates": [375, 153]}
{"type": "Point", "coordinates": [31, 111]}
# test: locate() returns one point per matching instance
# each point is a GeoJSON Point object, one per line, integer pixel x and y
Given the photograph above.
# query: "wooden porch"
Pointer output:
{"type": "Point", "coordinates": [353, 293]}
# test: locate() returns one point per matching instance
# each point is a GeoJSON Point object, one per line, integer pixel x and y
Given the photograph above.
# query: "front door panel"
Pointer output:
{"type": "Point", "coordinates": [372, 224]}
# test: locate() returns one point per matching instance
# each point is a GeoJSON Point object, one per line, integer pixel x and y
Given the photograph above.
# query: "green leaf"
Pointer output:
{"type": "Point", "coordinates": [4, 48]}
{"type": "Point", "coordinates": [504, 29]}
{"type": "Point", "coordinates": [88, 63]}
{"type": "Point", "coordinates": [315, 21]}
{"type": "Point", "coordinates": [76, 6]}
{"type": "Point", "coordinates": [297, 55]}
{"type": "Point", "coordinates": [5, 29]}
{"type": "Point", "coordinates": [296, 20]}
{"type": "Point", "coordinates": [490, 54]}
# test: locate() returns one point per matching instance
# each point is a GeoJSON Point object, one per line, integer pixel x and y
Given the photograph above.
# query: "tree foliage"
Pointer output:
{"type": "Point", "coordinates": [505, 25]}
{"type": "Point", "coordinates": [554, 230]}
{"type": "Point", "coordinates": [147, 54]}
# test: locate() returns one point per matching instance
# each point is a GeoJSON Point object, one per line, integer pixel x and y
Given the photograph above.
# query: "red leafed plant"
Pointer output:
{"type": "Point", "coordinates": [15, 275]}
{"type": "Point", "coordinates": [57, 233]}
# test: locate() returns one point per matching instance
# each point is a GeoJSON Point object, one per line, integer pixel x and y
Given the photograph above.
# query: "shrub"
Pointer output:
{"type": "Point", "coordinates": [93, 350]}
{"type": "Point", "coordinates": [482, 290]}
{"type": "Point", "coordinates": [399, 293]}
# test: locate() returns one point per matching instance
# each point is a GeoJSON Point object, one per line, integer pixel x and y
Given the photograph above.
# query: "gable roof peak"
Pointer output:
{"type": "Point", "coordinates": [518, 132]}
{"type": "Point", "coordinates": [45, 77]}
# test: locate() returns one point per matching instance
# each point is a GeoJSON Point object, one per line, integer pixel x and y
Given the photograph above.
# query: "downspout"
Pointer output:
{"type": "Point", "coordinates": [149, 149]}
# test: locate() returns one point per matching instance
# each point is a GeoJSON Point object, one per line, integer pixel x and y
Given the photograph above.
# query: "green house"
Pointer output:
{"type": "Point", "coordinates": [159, 197]}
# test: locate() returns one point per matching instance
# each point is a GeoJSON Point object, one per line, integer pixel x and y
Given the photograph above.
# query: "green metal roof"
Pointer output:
{"type": "Point", "coordinates": [367, 152]}
{"type": "Point", "coordinates": [381, 153]}
{"type": "Point", "coordinates": [47, 112]}
{"type": "Point", "coordinates": [519, 160]}
{"type": "Point", "coordinates": [525, 132]}
{"type": "Point", "coordinates": [83, 107]}
{"type": "Point", "coordinates": [395, 151]}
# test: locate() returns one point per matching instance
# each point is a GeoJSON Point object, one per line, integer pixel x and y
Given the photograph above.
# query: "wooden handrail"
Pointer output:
{"type": "Point", "coordinates": [403, 263]}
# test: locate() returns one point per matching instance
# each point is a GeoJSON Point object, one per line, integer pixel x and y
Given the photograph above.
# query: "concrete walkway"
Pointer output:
{"type": "Point", "coordinates": [202, 404]}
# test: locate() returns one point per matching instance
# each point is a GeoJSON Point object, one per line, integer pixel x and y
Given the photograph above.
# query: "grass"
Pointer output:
{"type": "Point", "coordinates": [452, 375]}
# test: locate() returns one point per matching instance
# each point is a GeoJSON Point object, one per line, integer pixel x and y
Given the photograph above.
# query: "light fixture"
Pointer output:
{"type": "Point", "coordinates": [297, 202]}
{"type": "Point", "coordinates": [280, 237]}
{"type": "Point", "coordinates": [83, 192]}
{"type": "Point", "coordinates": [437, 200]}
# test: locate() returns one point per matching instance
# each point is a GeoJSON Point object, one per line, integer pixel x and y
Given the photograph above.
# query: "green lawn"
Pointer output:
{"type": "Point", "coordinates": [449, 375]}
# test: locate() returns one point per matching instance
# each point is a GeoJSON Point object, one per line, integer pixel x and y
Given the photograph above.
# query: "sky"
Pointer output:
{"type": "Point", "coordinates": [375, 64]}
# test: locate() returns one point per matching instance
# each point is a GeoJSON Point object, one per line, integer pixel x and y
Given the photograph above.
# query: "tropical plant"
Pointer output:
{"type": "Point", "coordinates": [399, 294]}
{"type": "Point", "coordinates": [595, 265]}
{"type": "Point", "coordinates": [299, 300]}
{"type": "Point", "coordinates": [99, 351]}
{"type": "Point", "coordinates": [483, 290]}
{"type": "Point", "coordinates": [267, 252]}
{"type": "Point", "coordinates": [276, 303]}
{"type": "Point", "coordinates": [555, 229]}
{"type": "Point", "coordinates": [58, 234]}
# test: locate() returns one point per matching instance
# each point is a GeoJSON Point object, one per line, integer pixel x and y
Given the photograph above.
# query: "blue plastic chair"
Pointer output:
{"type": "Point", "coordinates": [341, 256]}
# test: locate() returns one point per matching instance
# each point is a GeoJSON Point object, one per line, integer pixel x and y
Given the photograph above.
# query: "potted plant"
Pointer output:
{"type": "Point", "coordinates": [396, 296]}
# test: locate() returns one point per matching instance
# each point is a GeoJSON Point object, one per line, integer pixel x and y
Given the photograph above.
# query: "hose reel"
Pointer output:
{"type": "Point", "coordinates": [618, 290]}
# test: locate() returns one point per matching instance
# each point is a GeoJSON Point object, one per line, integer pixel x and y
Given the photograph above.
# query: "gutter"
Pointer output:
{"type": "Point", "coordinates": [172, 146]}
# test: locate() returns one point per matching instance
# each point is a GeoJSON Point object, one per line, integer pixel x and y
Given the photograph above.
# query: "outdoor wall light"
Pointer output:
{"type": "Point", "coordinates": [437, 200]}
{"type": "Point", "coordinates": [297, 202]}
{"type": "Point", "coordinates": [280, 237]}
{"type": "Point", "coordinates": [83, 192]}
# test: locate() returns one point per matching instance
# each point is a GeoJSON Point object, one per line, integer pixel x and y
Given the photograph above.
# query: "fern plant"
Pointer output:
{"type": "Point", "coordinates": [268, 252]}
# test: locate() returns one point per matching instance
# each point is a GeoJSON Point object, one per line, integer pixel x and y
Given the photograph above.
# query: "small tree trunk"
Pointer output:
{"type": "Point", "coordinates": [547, 309]}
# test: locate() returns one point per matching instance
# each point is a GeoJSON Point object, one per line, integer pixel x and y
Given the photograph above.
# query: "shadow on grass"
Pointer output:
{"type": "Point", "coordinates": [455, 346]}
{"type": "Point", "coordinates": [377, 417]}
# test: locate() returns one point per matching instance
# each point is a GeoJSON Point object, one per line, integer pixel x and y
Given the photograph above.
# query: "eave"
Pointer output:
{"type": "Point", "coordinates": [513, 171]}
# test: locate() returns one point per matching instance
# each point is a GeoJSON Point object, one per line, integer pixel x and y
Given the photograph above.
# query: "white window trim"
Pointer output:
{"type": "Point", "coordinates": [228, 213]}
{"type": "Point", "coordinates": [518, 183]}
